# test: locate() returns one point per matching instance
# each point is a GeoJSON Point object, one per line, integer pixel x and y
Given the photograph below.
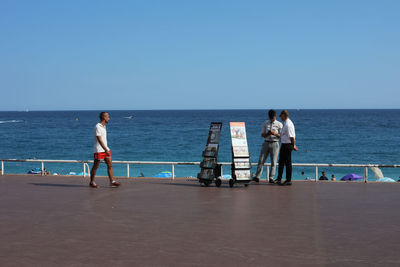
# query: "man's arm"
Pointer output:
{"type": "Point", "coordinates": [292, 135]}
{"type": "Point", "coordinates": [266, 134]}
{"type": "Point", "coordinates": [103, 146]}
{"type": "Point", "coordinates": [293, 141]}
{"type": "Point", "coordinates": [277, 134]}
{"type": "Point", "coordinates": [263, 131]}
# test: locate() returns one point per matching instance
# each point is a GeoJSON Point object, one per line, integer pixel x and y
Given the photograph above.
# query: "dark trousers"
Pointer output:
{"type": "Point", "coordinates": [285, 159]}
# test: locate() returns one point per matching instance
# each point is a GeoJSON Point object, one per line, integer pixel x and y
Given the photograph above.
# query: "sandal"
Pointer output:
{"type": "Point", "coordinates": [93, 185]}
{"type": "Point", "coordinates": [115, 184]}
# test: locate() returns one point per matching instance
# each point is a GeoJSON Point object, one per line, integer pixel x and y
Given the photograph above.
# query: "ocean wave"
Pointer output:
{"type": "Point", "coordinates": [11, 121]}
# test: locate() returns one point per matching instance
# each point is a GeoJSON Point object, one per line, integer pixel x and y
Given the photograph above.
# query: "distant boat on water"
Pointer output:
{"type": "Point", "coordinates": [128, 117]}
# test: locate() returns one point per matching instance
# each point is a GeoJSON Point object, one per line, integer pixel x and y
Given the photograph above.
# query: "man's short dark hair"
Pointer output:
{"type": "Point", "coordinates": [102, 115]}
{"type": "Point", "coordinates": [285, 112]}
{"type": "Point", "coordinates": [271, 113]}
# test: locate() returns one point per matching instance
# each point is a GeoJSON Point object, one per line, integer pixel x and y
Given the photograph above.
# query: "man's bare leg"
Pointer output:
{"type": "Point", "coordinates": [96, 164]}
{"type": "Point", "coordinates": [109, 169]}
{"type": "Point", "coordinates": [110, 172]}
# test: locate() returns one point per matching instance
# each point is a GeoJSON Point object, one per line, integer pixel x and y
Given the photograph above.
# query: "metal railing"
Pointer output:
{"type": "Point", "coordinates": [85, 165]}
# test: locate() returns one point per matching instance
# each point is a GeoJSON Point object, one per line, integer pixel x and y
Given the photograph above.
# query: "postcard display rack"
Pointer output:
{"type": "Point", "coordinates": [210, 169]}
{"type": "Point", "coordinates": [241, 167]}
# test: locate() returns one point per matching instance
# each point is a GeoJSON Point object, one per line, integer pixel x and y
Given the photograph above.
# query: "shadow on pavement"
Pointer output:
{"type": "Point", "coordinates": [58, 185]}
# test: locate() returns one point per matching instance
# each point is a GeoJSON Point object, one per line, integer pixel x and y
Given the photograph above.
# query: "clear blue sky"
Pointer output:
{"type": "Point", "coordinates": [199, 54]}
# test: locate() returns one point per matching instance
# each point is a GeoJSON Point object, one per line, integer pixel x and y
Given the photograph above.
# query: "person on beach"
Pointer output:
{"type": "Point", "coordinates": [288, 140]}
{"type": "Point", "coordinates": [333, 178]}
{"type": "Point", "coordinates": [102, 151]}
{"type": "Point", "coordinates": [271, 130]}
{"type": "Point", "coordinates": [323, 177]}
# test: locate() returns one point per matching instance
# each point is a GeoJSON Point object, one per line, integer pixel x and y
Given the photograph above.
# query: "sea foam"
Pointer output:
{"type": "Point", "coordinates": [11, 121]}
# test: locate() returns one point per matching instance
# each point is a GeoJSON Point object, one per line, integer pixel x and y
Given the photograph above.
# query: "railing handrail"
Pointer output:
{"type": "Point", "coordinates": [198, 163]}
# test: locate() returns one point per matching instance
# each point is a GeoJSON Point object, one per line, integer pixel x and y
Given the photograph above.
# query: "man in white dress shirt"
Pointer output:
{"type": "Point", "coordinates": [271, 130]}
{"type": "Point", "coordinates": [288, 140]}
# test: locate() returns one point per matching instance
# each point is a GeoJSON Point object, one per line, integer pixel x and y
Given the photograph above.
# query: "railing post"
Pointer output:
{"type": "Point", "coordinates": [127, 170]}
{"type": "Point", "coordinates": [267, 172]}
{"type": "Point", "coordinates": [316, 173]}
{"type": "Point", "coordinates": [84, 170]}
{"type": "Point", "coordinates": [2, 167]}
{"type": "Point", "coordinates": [173, 171]}
{"type": "Point", "coordinates": [42, 172]}
{"type": "Point", "coordinates": [365, 174]}
{"type": "Point", "coordinates": [88, 169]}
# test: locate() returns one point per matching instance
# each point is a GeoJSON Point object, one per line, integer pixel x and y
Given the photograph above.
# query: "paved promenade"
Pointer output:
{"type": "Point", "coordinates": [60, 221]}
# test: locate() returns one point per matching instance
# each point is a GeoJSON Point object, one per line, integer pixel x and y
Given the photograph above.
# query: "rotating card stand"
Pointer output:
{"type": "Point", "coordinates": [241, 167]}
{"type": "Point", "coordinates": [210, 169]}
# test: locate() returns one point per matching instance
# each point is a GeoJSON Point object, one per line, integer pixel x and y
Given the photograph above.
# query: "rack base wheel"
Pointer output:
{"type": "Point", "coordinates": [206, 184]}
{"type": "Point", "coordinates": [246, 185]}
{"type": "Point", "coordinates": [231, 182]}
{"type": "Point", "coordinates": [218, 182]}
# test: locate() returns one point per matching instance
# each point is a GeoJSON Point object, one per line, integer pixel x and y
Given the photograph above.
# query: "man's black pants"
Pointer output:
{"type": "Point", "coordinates": [285, 159]}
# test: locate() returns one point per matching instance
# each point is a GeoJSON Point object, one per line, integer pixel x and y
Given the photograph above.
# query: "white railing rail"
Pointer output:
{"type": "Point", "coordinates": [86, 168]}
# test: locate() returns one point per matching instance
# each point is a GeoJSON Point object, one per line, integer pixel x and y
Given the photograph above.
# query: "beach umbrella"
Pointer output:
{"type": "Point", "coordinates": [351, 177]}
{"type": "Point", "coordinates": [385, 179]}
{"type": "Point", "coordinates": [164, 174]}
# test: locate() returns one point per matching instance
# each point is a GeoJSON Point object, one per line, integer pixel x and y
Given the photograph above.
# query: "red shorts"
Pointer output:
{"type": "Point", "coordinates": [101, 155]}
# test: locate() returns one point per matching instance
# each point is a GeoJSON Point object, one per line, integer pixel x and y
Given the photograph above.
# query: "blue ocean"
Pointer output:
{"type": "Point", "coordinates": [323, 136]}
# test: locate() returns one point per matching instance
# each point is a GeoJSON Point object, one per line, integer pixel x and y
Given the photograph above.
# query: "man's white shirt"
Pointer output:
{"type": "Point", "coordinates": [288, 131]}
{"type": "Point", "coordinates": [275, 126]}
{"type": "Point", "coordinates": [100, 130]}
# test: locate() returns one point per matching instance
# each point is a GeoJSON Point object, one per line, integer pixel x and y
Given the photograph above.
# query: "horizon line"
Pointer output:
{"type": "Point", "coordinates": [299, 109]}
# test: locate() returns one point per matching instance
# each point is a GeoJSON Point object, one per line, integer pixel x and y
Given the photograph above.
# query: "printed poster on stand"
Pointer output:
{"type": "Point", "coordinates": [239, 139]}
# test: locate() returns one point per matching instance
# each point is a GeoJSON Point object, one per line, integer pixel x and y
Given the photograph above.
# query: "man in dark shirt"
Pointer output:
{"type": "Point", "coordinates": [323, 177]}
